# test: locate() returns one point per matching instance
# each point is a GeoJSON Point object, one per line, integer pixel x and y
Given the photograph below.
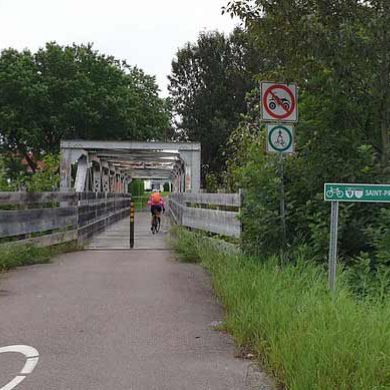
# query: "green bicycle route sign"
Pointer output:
{"type": "Point", "coordinates": [343, 192]}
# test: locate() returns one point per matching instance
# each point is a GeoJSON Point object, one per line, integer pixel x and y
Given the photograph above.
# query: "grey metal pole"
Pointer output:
{"type": "Point", "coordinates": [282, 204]}
{"type": "Point", "coordinates": [334, 221]}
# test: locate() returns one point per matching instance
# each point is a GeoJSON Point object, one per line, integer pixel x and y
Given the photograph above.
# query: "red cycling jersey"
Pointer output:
{"type": "Point", "coordinates": [156, 200]}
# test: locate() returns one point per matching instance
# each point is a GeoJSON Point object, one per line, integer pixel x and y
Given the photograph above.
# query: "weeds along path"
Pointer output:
{"type": "Point", "coordinates": [288, 318]}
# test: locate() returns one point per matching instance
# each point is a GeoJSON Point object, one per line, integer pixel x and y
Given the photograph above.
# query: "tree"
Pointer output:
{"type": "Point", "coordinates": [338, 53]}
{"type": "Point", "coordinates": [208, 84]}
{"type": "Point", "coordinates": [74, 92]}
{"type": "Point", "coordinates": [342, 43]}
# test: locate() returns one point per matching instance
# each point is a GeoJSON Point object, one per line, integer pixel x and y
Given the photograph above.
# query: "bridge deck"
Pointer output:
{"type": "Point", "coordinates": [117, 235]}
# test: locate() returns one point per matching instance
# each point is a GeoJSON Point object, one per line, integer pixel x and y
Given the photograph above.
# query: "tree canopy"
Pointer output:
{"type": "Point", "coordinates": [74, 92]}
{"type": "Point", "coordinates": [208, 83]}
{"type": "Point", "coordinates": [338, 53]}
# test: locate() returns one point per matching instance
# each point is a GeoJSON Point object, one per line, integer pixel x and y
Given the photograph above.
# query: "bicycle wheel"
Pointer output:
{"type": "Point", "coordinates": [154, 225]}
{"type": "Point", "coordinates": [158, 224]}
{"type": "Point", "coordinates": [329, 193]}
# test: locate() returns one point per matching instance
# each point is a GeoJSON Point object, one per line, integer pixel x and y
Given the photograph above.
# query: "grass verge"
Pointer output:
{"type": "Point", "coordinates": [14, 255]}
{"type": "Point", "coordinates": [306, 337]}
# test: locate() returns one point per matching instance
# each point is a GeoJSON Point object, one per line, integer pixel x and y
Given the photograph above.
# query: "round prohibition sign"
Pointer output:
{"type": "Point", "coordinates": [288, 110]}
{"type": "Point", "coordinates": [287, 144]}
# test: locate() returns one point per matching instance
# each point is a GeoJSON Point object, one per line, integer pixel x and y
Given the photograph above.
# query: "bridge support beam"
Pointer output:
{"type": "Point", "coordinates": [66, 169]}
{"type": "Point", "coordinates": [191, 170]}
{"type": "Point", "coordinates": [82, 174]}
{"type": "Point", "coordinates": [107, 165]}
{"type": "Point", "coordinates": [106, 179]}
{"type": "Point", "coordinates": [97, 178]}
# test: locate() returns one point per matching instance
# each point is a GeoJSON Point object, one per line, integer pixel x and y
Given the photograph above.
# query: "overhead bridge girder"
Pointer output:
{"type": "Point", "coordinates": [111, 165]}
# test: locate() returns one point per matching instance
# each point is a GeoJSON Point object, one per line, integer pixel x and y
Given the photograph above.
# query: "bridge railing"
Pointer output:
{"type": "Point", "coordinates": [49, 218]}
{"type": "Point", "coordinates": [215, 213]}
{"type": "Point", "coordinates": [97, 210]}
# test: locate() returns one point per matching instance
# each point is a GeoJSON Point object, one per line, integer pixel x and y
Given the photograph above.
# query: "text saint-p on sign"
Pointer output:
{"type": "Point", "coordinates": [279, 102]}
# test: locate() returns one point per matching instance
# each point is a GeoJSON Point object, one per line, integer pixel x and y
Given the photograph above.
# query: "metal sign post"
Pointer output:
{"type": "Point", "coordinates": [334, 225]}
{"type": "Point", "coordinates": [131, 224]}
{"type": "Point", "coordinates": [279, 107]}
{"type": "Point", "coordinates": [282, 204]}
{"type": "Point", "coordinates": [280, 139]}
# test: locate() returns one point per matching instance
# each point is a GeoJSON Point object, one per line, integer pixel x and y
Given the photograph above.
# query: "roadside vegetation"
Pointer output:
{"type": "Point", "coordinates": [17, 255]}
{"type": "Point", "coordinates": [304, 336]}
{"type": "Point", "coordinates": [275, 293]}
{"type": "Point", "coordinates": [337, 51]}
{"type": "Point", "coordinates": [72, 92]}
{"type": "Point", "coordinates": [276, 299]}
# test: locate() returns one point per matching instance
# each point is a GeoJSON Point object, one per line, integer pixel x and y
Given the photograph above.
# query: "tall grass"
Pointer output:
{"type": "Point", "coordinates": [308, 338]}
{"type": "Point", "coordinates": [15, 255]}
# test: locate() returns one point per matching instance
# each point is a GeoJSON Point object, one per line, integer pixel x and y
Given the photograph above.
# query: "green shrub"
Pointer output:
{"type": "Point", "coordinates": [16, 255]}
{"type": "Point", "coordinates": [307, 337]}
{"type": "Point", "coordinates": [14, 175]}
{"type": "Point", "coordinates": [211, 183]}
{"type": "Point", "coordinates": [48, 177]}
{"type": "Point", "coordinates": [328, 149]}
{"type": "Point", "coordinates": [137, 187]}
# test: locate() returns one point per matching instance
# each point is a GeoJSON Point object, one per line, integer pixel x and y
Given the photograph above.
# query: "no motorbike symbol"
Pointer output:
{"type": "Point", "coordinates": [279, 102]}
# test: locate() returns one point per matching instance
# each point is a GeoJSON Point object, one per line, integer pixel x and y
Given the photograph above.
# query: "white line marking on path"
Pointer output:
{"type": "Point", "coordinates": [11, 385]}
{"type": "Point", "coordinates": [32, 357]}
{"type": "Point", "coordinates": [29, 366]}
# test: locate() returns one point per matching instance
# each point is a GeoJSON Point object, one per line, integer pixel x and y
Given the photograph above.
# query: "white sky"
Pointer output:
{"type": "Point", "coordinates": [146, 33]}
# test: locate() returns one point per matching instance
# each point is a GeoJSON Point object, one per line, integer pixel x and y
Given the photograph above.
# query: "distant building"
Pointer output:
{"type": "Point", "coordinates": [156, 184]}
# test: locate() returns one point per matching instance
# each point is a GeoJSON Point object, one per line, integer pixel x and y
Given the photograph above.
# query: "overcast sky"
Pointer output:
{"type": "Point", "coordinates": [146, 33]}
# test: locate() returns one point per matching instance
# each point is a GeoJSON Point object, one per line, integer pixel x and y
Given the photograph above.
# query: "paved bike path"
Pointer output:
{"type": "Point", "coordinates": [117, 236]}
{"type": "Point", "coordinates": [131, 320]}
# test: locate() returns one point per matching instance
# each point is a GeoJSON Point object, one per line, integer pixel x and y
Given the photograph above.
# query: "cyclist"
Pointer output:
{"type": "Point", "coordinates": [156, 203]}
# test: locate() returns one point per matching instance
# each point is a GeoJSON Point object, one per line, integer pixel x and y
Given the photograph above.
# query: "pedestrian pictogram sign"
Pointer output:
{"type": "Point", "coordinates": [280, 138]}
{"type": "Point", "coordinates": [279, 102]}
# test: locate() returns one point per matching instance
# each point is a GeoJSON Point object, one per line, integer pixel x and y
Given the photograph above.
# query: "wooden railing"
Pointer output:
{"type": "Point", "coordinates": [215, 213]}
{"type": "Point", "coordinates": [50, 218]}
{"type": "Point", "coordinates": [98, 210]}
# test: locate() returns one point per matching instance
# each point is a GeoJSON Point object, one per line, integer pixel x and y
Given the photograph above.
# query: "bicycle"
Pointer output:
{"type": "Point", "coordinates": [156, 223]}
{"type": "Point", "coordinates": [334, 192]}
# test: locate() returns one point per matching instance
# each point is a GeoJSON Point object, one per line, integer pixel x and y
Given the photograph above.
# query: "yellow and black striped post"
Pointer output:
{"type": "Point", "coordinates": [131, 224]}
